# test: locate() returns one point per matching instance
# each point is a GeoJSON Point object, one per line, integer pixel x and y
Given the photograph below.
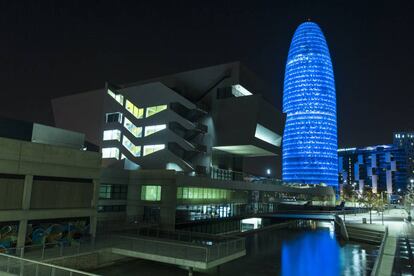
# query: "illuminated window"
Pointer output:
{"type": "Point", "coordinates": [135, 150]}
{"type": "Point", "coordinates": [118, 97]}
{"type": "Point", "coordinates": [110, 153]}
{"type": "Point", "coordinates": [136, 131]}
{"type": "Point", "coordinates": [152, 129]}
{"type": "Point", "coordinates": [137, 112]}
{"type": "Point", "coordinates": [152, 148]}
{"type": "Point", "coordinates": [155, 109]}
{"type": "Point", "coordinates": [113, 134]}
{"type": "Point", "coordinates": [202, 193]}
{"type": "Point", "coordinates": [151, 193]}
{"type": "Point", "coordinates": [115, 117]}
{"type": "Point", "coordinates": [239, 91]}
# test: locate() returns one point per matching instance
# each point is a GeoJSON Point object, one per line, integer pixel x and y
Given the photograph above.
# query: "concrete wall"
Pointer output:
{"type": "Point", "coordinates": [11, 193]}
{"type": "Point", "coordinates": [65, 194]}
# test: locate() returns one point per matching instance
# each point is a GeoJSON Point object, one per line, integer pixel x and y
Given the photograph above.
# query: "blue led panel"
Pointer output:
{"type": "Point", "coordinates": [309, 101]}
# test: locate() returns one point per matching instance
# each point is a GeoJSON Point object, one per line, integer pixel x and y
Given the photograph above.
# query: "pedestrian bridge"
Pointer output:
{"type": "Point", "coordinates": [301, 215]}
{"type": "Point", "coordinates": [201, 252]}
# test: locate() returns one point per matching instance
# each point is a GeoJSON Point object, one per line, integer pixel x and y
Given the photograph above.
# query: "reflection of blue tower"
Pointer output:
{"type": "Point", "coordinates": [309, 101]}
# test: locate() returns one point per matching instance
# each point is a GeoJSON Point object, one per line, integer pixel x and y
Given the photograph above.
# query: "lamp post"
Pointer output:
{"type": "Point", "coordinates": [382, 207]}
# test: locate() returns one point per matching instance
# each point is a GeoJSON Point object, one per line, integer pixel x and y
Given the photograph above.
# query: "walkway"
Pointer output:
{"type": "Point", "coordinates": [398, 258]}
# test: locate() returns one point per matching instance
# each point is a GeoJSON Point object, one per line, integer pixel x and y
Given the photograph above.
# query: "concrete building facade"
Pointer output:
{"type": "Point", "coordinates": [48, 185]}
{"type": "Point", "coordinates": [174, 147]}
{"type": "Point", "coordinates": [192, 122]}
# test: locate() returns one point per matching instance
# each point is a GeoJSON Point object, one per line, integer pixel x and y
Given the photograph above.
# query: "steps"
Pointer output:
{"type": "Point", "coordinates": [372, 234]}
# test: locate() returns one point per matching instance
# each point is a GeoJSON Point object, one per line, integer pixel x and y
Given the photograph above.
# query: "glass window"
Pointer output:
{"type": "Point", "coordinates": [137, 112]}
{"type": "Point", "coordinates": [118, 97]}
{"type": "Point", "coordinates": [152, 110]}
{"type": "Point", "coordinates": [205, 193]}
{"type": "Point", "coordinates": [148, 149]}
{"type": "Point", "coordinates": [151, 193]}
{"type": "Point", "coordinates": [202, 193]}
{"type": "Point", "coordinates": [136, 131]}
{"type": "Point", "coordinates": [115, 117]}
{"type": "Point", "coordinates": [111, 208]}
{"type": "Point", "coordinates": [179, 192]}
{"type": "Point", "coordinates": [185, 192]}
{"type": "Point", "coordinates": [152, 129]}
{"type": "Point", "coordinates": [135, 150]}
{"type": "Point", "coordinates": [113, 191]}
{"type": "Point", "coordinates": [110, 153]}
{"type": "Point", "coordinates": [113, 134]}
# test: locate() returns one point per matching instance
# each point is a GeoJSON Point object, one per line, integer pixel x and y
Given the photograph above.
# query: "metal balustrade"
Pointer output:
{"type": "Point", "coordinates": [172, 244]}
{"type": "Point", "coordinates": [12, 265]}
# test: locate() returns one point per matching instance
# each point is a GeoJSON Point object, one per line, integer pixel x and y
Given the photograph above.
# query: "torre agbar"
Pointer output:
{"type": "Point", "coordinates": [309, 101]}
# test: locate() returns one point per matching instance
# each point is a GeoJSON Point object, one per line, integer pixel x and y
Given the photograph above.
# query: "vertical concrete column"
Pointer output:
{"type": "Point", "coordinates": [27, 195]}
{"type": "Point", "coordinates": [94, 204]}
{"type": "Point", "coordinates": [92, 225]}
{"type": "Point", "coordinates": [168, 205]}
{"type": "Point", "coordinates": [21, 235]}
{"type": "Point", "coordinates": [95, 197]}
{"type": "Point", "coordinates": [27, 192]}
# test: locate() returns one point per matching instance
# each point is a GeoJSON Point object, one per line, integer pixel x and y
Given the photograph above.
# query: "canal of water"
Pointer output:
{"type": "Point", "coordinates": [312, 249]}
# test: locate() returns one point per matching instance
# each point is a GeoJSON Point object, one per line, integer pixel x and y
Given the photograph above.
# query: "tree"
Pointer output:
{"type": "Point", "coordinates": [348, 192]}
{"type": "Point", "coordinates": [409, 200]}
{"type": "Point", "coordinates": [369, 199]}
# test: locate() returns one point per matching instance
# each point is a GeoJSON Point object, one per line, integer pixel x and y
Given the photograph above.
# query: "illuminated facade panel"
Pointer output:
{"type": "Point", "coordinates": [133, 149]}
{"type": "Point", "coordinates": [152, 148]}
{"type": "Point", "coordinates": [152, 129]}
{"type": "Point", "coordinates": [309, 101]}
{"type": "Point", "coordinates": [152, 110]}
{"type": "Point", "coordinates": [110, 153]}
{"type": "Point", "coordinates": [136, 131]}
{"type": "Point", "coordinates": [112, 134]}
{"type": "Point", "coordinates": [267, 135]}
{"type": "Point", "coordinates": [118, 97]}
{"type": "Point", "coordinates": [136, 111]}
{"type": "Point", "coordinates": [239, 91]}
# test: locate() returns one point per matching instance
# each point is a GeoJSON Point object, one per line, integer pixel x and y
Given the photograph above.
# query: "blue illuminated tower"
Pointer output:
{"type": "Point", "coordinates": [309, 101]}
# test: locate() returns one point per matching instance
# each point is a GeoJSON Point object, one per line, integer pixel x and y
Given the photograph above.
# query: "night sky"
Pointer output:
{"type": "Point", "coordinates": [56, 48]}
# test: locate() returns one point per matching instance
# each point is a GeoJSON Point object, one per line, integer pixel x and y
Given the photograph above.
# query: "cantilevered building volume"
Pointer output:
{"type": "Point", "coordinates": [309, 100]}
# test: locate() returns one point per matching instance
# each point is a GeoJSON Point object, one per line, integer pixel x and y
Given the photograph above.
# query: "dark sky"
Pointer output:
{"type": "Point", "coordinates": [55, 48]}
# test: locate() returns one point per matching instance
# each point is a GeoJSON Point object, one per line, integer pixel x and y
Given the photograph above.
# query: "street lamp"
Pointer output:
{"type": "Point", "coordinates": [268, 171]}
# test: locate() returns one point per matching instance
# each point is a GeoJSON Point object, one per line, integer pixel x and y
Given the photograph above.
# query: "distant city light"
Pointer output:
{"type": "Point", "coordinates": [268, 171]}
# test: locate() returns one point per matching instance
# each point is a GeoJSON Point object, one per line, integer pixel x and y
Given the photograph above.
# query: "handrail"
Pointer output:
{"type": "Point", "coordinates": [164, 242]}
{"type": "Point", "coordinates": [48, 265]}
{"type": "Point", "coordinates": [375, 269]}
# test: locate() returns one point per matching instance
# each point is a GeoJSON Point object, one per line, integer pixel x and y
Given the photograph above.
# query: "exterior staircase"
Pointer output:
{"type": "Point", "coordinates": [372, 234]}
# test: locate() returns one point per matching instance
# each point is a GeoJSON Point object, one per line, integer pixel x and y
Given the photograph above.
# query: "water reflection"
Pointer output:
{"type": "Point", "coordinates": [315, 254]}
{"type": "Point", "coordinates": [319, 253]}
